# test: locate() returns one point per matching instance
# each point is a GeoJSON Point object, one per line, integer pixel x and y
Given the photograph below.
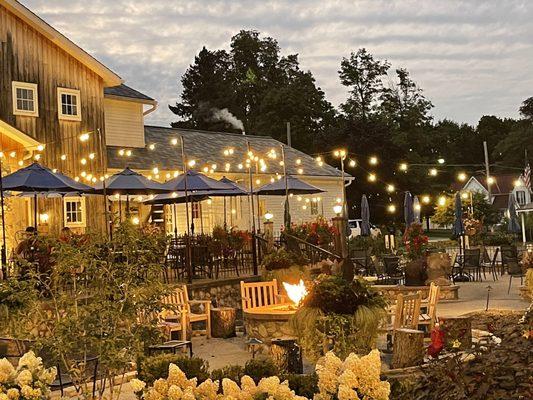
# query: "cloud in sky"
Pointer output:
{"type": "Point", "coordinates": [470, 57]}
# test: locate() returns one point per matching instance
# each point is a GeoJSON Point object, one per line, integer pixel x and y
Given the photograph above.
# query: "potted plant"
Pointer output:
{"type": "Point", "coordinates": [338, 315]}
{"type": "Point", "coordinates": [416, 245]}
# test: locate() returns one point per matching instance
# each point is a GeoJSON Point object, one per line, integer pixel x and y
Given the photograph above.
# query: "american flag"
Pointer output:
{"type": "Point", "coordinates": [526, 176]}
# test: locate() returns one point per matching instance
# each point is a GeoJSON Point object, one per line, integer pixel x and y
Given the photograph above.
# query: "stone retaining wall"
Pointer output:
{"type": "Point", "coordinates": [450, 292]}
{"type": "Point", "coordinates": [226, 291]}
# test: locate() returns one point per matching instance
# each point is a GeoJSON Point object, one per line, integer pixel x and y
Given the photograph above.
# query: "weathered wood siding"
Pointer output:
{"type": "Point", "coordinates": [124, 123]}
{"type": "Point", "coordinates": [28, 56]}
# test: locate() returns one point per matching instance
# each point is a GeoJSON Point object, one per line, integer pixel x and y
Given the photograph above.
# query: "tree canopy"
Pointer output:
{"type": "Point", "coordinates": [255, 88]}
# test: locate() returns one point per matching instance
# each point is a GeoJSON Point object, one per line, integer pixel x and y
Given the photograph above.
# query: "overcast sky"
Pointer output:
{"type": "Point", "coordinates": [470, 57]}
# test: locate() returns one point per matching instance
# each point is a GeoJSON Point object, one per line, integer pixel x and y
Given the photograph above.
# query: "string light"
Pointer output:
{"type": "Point", "coordinates": [464, 195]}
{"type": "Point", "coordinates": [63, 157]}
{"type": "Point", "coordinates": [391, 208]}
{"type": "Point", "coordinates": [13, 154]}
{"type": "Point", "coordinates": [372, 177]}
{"type": "Point", "coordinates": [174, 142]}
{"type": "Point", "coordinates": [213, 167]}
{"type": "Point", "coordinates": [517, 183]}
{"type": "Point", "coordinates": [390, 188]}
{"type": "Point", "coordinates": [83, 174]}
{"type": "Point", "coordinates": [433, 172]}
{"type": "Point", "coordinates": [491, 180]}
{"type": "Point", "coordinates": [20, 163]}
{"type": "Point", "coordinates": [258, 181]}
{"type": "Point", "coordinates": [403, 167]}
{"type": "Point", "coordinates": [352, 163]}
{"type": "Point", "coordinates": [298, 161]}
{"type": "Point", "coordinates": [54, 170]}
{"type": "Point", "coordinates": [239, 166]}
{"type": "Point", "coordinates": [83, 161]}
{"type": "Point", "coordinates": [461, 176]}
{"type": "Point", "coordinates": [128, 153]}
{"type": "Point", "coordinates": [442, 201]}
{"type": "Point", "coordinates": [155, 170]}
{"type": "Point", "coordinates": [84, 137]}
{"type": "Point", "coordinates": [40, 147]}
{"type": "Point", "coordinates": [227, 166]}
{"type": "Point", "coordinates": [318, 159]}
{"type": "Point", "coordinates": [151, 146]}
{"type": "Point", "coordinates": [121, 152]}
{"type": "Point", "coordinates": [426, 199]}
{"type": "Point", "coordinates": [91, 156]}
{"type": "Point", "coordinates": [206, 169]}
{"type": "Point", "coordinates": [441, 160]}
{"type": "Point", "coordinates": [373, 160]}
{"type": "Point", "coordinates": [300, 171]}
{"type": "Point", "coordinates": [37, 157]}
{"type": "Point", "coordinates": [176, 174]}
{"type": "Point", "coordinates": [191, 163]}
{"type": "Point", "coordinates": [167, 175]}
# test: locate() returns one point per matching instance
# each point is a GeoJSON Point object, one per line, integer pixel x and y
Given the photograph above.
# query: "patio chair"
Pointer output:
{"type": "Point", "coordinates": [176, 323]}
{"type": "Point", "coordinates": [406, 315]}
{"type": "Point", "coordinates": [490, 264]}
{"type": "Point", "coordinates": [65, 378]}
{"type": "Point", "coordinates": [360, 261]}
{"type": "Point", "coordinates": [471, 263]}
{"type": "Point", "coordinates": [180, 298]}
{"type": "Point", "coordinates": [393, 272]}
{"type": "Point", "coordinates": [509, 254]}
{"type": "Point", "coordinates": [259, 294]}
{"type": "Point", "coordinates": [428, 316]}
{"type": "Point", "coordinates": [515, 271]}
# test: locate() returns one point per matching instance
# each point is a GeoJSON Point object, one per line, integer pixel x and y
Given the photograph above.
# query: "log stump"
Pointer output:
{"type": "Point", "coordinates": [223, 322]}
{"type": "Point", "coordinates": [408, 348]}
{"type": "Point", "coordinates": [457, 332]}
{"type": "Point", "coordinates": [287, 355]}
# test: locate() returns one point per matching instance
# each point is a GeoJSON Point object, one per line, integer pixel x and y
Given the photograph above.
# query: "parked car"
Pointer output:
{"type": "Point", "coordinates": [355, 228]}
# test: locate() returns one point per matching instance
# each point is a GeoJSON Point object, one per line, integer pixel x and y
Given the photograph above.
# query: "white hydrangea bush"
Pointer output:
{"type": "Point", "coordinates": [29, 381]}
{"type": "Point", "coordinates": [356, 378]}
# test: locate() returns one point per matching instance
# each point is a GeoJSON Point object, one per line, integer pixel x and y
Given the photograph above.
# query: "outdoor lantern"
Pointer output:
{"type": "Point", "coordinates": [268, 216]}
{"type": "Point", "coordinates": [337, 209]}
{"type": "Point", "coordinates": [43, 218]}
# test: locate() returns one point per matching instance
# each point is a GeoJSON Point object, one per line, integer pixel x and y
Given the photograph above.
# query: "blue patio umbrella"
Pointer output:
{"type": "Point", "coordinates": [512, 225]}
{"type": "Point", "coordinates": [235, 190]}
{"type": "Point", "coordinates": [408, 209]}
{"type": "Point", "coordinates": [37, 179]}
{"type": "Point", "coordinates": [128, 182]}
{"type": "Point", "coordinates": [294, 186]}
{"type": "Point", "coordinates": [196, 182]}
{"type": "Point", "coordinates": [365, 217]}
{"type": "Point", "coordinates": [458, 227]}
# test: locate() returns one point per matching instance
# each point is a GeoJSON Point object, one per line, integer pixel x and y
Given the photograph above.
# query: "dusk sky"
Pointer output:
{"type": "Point", "coordinates": [470, 57]}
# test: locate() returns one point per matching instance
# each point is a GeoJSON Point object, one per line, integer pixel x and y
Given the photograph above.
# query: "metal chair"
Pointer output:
{"type": "Point", "coordinates": [393, 272]}
{"type": "Point", "coordinates": [360, 261]}
{"type": "Point", "coordinates": [471, 263]}
{"type": "Point", "coordinates": [509, 255]}
{"type": "Point", "coordinates": [490, 264]}
{"type": "Point", "coordinates": [515, 271]}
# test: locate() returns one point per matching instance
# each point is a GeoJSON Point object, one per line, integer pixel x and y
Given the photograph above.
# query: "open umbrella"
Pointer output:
{"type": "Point", "coordinates": [294, 186]}
{"type": "Point", "coordinates": [408, 209]}
{"type": "Point", "coordinates": [37, 179]}
{"type": "Point", "coordinates": [129, 182]}
{"type": "Point", "coordinates": [196, 182]}
{"type": "Point", "coordinates": [236, 190]}
{"type": "Point", "coordinates": [365, 217]}
{"type": "Point", "coordinates": [512, 226]}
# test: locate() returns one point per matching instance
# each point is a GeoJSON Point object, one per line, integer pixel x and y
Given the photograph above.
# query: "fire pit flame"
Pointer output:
{"type": "Point", "coordinates": [295, 292]}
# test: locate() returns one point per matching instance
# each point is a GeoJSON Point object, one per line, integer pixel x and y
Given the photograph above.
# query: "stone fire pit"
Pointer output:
{"type": "Point", "coordinates": [269, 322]}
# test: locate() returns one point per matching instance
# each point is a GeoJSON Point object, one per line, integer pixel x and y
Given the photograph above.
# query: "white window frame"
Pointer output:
{"type": "Point", "coordinates": [313, 208]}
{"type": "Point", "coordinates": [72, 92]}
{"type": "Point", "coordinates": [522, 193]}
{"type": "Point", "coordinates": [26, 86]}
{"type": "Point", "coordinates": [75, 199]}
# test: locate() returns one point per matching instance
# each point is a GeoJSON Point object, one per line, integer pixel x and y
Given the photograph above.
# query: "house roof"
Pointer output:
{"type": "Point", "coordinates": [504, 183]}
{"type": "Point", "coordinates": [501, 201]}
{"type": "Point", "coordinates": [207, 148]}
{"type": "Point", "coordinates": [126, 91]}
{"type": "Point", "coordinates": [110, 78]}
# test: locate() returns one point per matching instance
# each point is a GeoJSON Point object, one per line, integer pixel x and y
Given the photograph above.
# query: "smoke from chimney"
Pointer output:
{"type": "Point", "coordinates": [225, 115]}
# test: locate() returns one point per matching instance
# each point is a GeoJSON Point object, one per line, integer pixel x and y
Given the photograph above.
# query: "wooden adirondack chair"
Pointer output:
{"type": "Point", "coordinates": [429, 316]}
{"type": "Point", "coordinates": [259, 294]}
{"type": "Point", "coordinates": [180, 298]}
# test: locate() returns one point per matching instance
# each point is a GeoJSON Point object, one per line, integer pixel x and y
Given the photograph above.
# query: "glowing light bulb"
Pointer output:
{"type": "Point", "coordinates": [213, 166]}
{"type": "Point", "coordinates": [426, 199]}
{"type": "Point", "coordinates": [155, 170]}
{"type": "Point", "coordinates": [464, 195]}
{"type": "Point", "coordinates": [239, 166]}
{"type": "Point", "coordinates": [91, 156]}
{"type": "Point", "coordinates": [373, 160]}
{"type": "Point", "coordinates": [174, 142]}
{"type": "Point", "coordinates": [441, 160]}
{"type": "Point", "coordinates": [258, 181]}
{"type": "Point", "coordinates": [63, 157]}
{"type": "Point", "coordinates": [442, 201]}
{"type": "Point", "coordinates": [20, 163]}
{"type": "Point", "coordinates": [84, 137]}
{"type": "Point", "coordinates": [13, 154]}
{"type": "Point", "coordinates": [151, 146]}
{"type": "Point", "coordinates": [206, 169]}
{"type": "Point", "coordinates": [390, 188]}
{"type": "Point", "coordinates": [391, 208]}
{"type": "Point", "coordinates": [403, 167]}
{"type": "Point", "coordinates": [372, 177]}
{"type": "Point", "coordinates": [191, 163]}
{"type": "Point", "coordinates": [40, 147]}
{"type": "Point", "coordinates": [461, 177]}
{"type": "Point", "coordinates": [433, 172]}
{"type": "Point", "coordinates": [121, 152]}
{"type": "Point", "coordinates": [128, 153]}
{"type": "Point", "coordinates": [37, 157]}
{"type": "Point", "coordinates": [83, 161]}
{"type": "Point", "coordinates": [298, 161]}
{"type": "Point", "coordinates": [517, 183]}
{"type": "Point", "coordinates": [352, 163]}
{"type": "Point", "coordinates": [83, 174]}
{"type": "Point", "coordinates": [491, 180]}
{"type": "Point", "coordinates": [300, 171]}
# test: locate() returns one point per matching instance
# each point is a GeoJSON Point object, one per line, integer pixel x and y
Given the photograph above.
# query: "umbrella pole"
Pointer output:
{"type": "Point", "coordinates": [174, 216]}
{"type": "Point", "coordinates": [127, 206]}
{"type": "Point", "coordinates": [258, 216]}
{"type": "Point", "coordinates": [4, 250]}
{"type": "Point", "coordinates": [286, 179]}
{"type": "Point", "coordinates": [225, 217]}
{"type": "Point", "coordinates": [35, 211]}
{"type": "Point", "coordinates": [120, 209]}
{"type": "Point", "coordinates": [201, 217]}
{"type": "Point", "coordinates": [188, 239]}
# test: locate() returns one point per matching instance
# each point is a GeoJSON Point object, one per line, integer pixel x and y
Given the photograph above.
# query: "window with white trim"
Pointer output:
{"type": "Point", "coordinates": [195, 210]}
{"type": "Point", "coordinates": [25, 100]}
{"type": "Point", "coordinates": [69, 105]}
{"type": "Point", "coordinates": [521, 197]}
{"type": "Point", "coordinates": [74, 211]}
{"type": "Point", "coordinates": [314, 207]}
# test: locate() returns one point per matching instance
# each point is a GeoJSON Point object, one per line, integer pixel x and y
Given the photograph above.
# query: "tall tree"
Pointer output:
{"type": "Point", "coordinates": [363, 75]}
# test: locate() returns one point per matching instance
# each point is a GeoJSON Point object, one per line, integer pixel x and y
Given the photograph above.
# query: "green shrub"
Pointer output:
{"type": "Point", "coordinates": [303, 385]}
{"type": "Point", "coordinates": [281, 259]}
{"type": "Point", "coordinates": [233, 372]}
{"type": "Point", "coordinates": [152, 368]}
{"type": "Point", "coordinates": [374, 245]}
{"type": "Point", "coordinates": [260, 368]}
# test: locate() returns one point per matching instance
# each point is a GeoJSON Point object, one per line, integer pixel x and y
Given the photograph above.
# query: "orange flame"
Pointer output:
{"type": "Point", "coordinates": [295, 292]}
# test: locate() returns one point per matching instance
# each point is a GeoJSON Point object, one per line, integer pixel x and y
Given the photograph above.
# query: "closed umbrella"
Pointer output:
{"type": "Point", "coordinates": [365, 217]}
{"type": "Point", "coordinates": [458, 227]}
{"type": "Point", "coordinates": [408, 209]}
{"type": "Point", "coordinates": [417, 209]}
{"type": "Point", "coordinates": [512, 226]}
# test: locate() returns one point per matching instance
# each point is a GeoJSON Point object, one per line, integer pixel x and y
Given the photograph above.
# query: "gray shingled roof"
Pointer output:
{"type": "Point", "coordinates": [126, 91]}
{"type": "Point", "coordinates": [208, 148]}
